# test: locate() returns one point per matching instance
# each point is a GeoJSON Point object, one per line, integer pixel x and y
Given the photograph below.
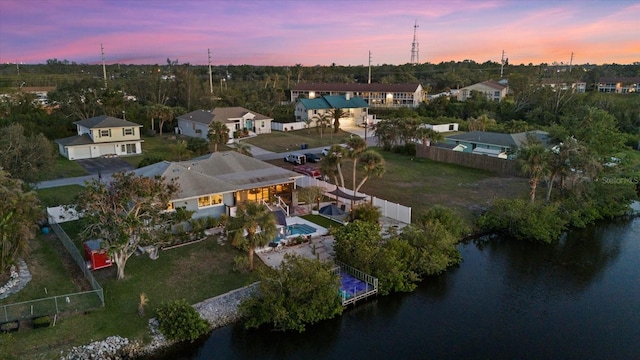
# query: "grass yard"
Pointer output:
{"type": "Point", "coordinates": [63, 195]}
{"type": "Point", "coordinates": [422, 183]}
{"type": "Point", "coordinates": [195, 272]}
{"type": "Point", "coordinates": [278, 141]}
{"type": "Point", "coordinates": [65, 168]}
{"type": "Point", "coordinates": [162, 146]}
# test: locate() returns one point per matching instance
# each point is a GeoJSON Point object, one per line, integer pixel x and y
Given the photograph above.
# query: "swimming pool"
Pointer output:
{"type": "Point", "coordinates": [293, 230]}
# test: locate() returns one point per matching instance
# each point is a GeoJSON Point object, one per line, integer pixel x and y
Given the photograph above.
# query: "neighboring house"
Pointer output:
{"type": "Point", "coordinates": [356, 109]}
{"type": "Point", "coordinates": [441, 128]}
{"type": "Point", "coordinates": [214, 184]}
{"type": "Point", "coordinates": [620, 85]}
{"type": "Point", "coordinates": [102, 136]}
{"type": "Point", "coordinates": [493, 144]}
{"type": "Point", "coordinates": [375, 95]}
{"type": "Point", "coordinates": [239, 120]}
{"type": "Point", "coordinates": [576, 86]}
{"type": "Point", "coordinates": [492, 90]}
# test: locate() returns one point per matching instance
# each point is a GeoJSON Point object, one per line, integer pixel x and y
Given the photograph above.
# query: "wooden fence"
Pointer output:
{"type": "Point", "coordinates": [496, 165]}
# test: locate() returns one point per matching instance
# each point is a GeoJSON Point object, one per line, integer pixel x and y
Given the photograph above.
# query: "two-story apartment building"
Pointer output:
{"type": "Point", "coordinates": [196, 123]}
{"type": "Point", "coordinates": [355, 109]}
{"type": "Point", "coordinates": [556, 84]}
{"type": "Point", "coordinates": [491, 89]}
{"type": "Point", "coordinates": [102, 136]}
{"type": "Point", "coordinates": [619, 85]}
{"type": "Point", "coordinates": [375, 95]}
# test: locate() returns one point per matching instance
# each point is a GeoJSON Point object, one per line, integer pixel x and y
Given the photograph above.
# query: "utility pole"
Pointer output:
{"type": "Point", "coordinates": [502, 65]}
{"type": "Point", "coordinates": [104, 68]}
{"type": "Point", "coordinates": [369, 67]}
{"type": "Point", "coordinates": [571, 62]}
{"type": "Point", "coordinates": [210, 75]}
{"type": "Point", "coordinates": [415, 51]}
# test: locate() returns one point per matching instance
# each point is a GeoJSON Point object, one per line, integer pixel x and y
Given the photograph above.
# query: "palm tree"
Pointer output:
{"type": "Point", "coordinates": [428, 136]}
{"type": "Point", "coordinates": [322, 121]}
{"type": "Point", "coordinates": [332, 163]}
{"type": "Point", "coordinates": [336, 114]}
{"type": "Point", "coordinates": [532, 161]}
{"type": "Point", "coordinates": [243, 148]}
{"type": "Point", "coordinates": [218, 134]}
{"type": "Point", "coordinates": [357, 146]}
{"type": "Point", "coordinates": [253, 226]}
{"type": "Point", "coordinates": [373, 164]}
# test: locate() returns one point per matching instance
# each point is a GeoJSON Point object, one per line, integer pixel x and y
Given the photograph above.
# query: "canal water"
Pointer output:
{"type": "Point", "coordinates": [577, 299]}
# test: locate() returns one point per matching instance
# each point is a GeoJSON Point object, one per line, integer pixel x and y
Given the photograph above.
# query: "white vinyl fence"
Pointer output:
{"type": "Point", "coordinates": [389, 209]}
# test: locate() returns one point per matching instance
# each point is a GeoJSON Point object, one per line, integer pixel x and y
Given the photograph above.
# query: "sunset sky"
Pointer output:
{"type": "Point", "coordinates": [319, 32]}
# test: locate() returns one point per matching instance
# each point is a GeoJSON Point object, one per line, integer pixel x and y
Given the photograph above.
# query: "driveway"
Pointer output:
{"type": "Point", "coordinates": [105, 165]}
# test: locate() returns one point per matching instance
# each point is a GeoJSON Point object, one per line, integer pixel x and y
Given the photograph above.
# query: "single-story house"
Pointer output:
{"type": "Point", "coordinates": [491, 89]}
{"type": "Point", "coordinates": [493, 144]}
{"type": "Point", "coordinates": [356, 109]}
{"type": "Point", "coordinates": [102, 136]}
{"type": "Point", "coordinates": [214, 184]}
{"type": "Point", "coordinates": [238, 119]}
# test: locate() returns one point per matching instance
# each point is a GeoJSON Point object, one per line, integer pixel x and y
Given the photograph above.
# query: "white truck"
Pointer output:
{"type": "Point", "coordinates": [297, 159]}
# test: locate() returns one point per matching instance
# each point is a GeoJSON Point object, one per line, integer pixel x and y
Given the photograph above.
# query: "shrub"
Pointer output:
{"type": "Point", "coordinates": [198, 146]}
{"type": "Point", "coordinates": [149, 160]}
{"type": "Point", "coordinates": [180, 321]}
{"type": "Point", "coordinates": [241, 264]}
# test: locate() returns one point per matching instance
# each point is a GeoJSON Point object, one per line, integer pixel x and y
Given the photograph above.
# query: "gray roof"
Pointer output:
{"type": "Point", "coordinates": [222, 114]}
{"type": "Point", "coordinates": [76, 140]}
{"type": "Point", "coordinates": [357, 87]}
{"type": "Point", "coordinates": [219, 172]}
{"type": "Point", "coordinates": [105, 121]}
{"type": "Point", "coordinates": [498, 139]}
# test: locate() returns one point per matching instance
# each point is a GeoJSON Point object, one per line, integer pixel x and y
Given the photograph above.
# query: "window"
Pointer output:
{"type": "Point", "coordinates": [209, 200]}
{"type": "Point", "coordinates": [262, 124]}
{"type": "Point", "coordinates": [128, 148]}
{"type": "Point", "coordinates": [450, 127]}
{"type": "Point", "coordinates": [128, 131]}
{"type": "Point", "coordinates": [105, 133]}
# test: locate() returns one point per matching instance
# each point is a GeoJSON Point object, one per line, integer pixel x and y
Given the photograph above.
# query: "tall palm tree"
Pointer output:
{"type": "Point", "coordinates": [357, 146]}
{"type": "Point", "coordinates": [218, 134]}
{"type": "Point", "coordinates": [322, 121]}
{"type": "Point", "coordinates": [373, 164]}
{"type": "Point", "coordinates": [532, 161]}
{"type": "Point", "coordinates": [336, 115]}
{"type": "Point", "coordinates": [253, 226]}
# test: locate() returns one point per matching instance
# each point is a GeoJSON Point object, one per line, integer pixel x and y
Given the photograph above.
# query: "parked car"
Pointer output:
{"type": "Point", "coordinates": [295, 158]}
{"type": "Point", "coordinates": [313, 157]}
{"type": "Point", "coordinates": [308, 170]}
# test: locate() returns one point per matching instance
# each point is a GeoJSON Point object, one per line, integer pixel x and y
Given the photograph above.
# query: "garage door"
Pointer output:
{"type": "Point", "coordinates": [79, 152]}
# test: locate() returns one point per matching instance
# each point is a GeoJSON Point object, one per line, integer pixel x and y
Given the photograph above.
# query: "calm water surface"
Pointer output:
{"type": "Point", "coordinates": [578, 299]}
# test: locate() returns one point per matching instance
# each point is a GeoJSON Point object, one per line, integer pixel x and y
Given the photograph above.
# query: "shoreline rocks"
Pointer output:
{"type": "Point", "coordinates": [219, 311]}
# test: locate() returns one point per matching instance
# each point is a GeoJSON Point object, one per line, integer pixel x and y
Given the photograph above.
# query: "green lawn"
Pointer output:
{"type": "Point", "coordinates": [207, 266]}
{"type": "Point", "coordinates": [65, 168]}
{"type": "Point", "coordinates": [63, 195]}
{"type": "Point", "coordinates": [278, 141]}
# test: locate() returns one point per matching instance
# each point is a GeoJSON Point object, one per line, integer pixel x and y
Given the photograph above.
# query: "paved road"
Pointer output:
{"type": "Point", "coordinates": [98, 168]}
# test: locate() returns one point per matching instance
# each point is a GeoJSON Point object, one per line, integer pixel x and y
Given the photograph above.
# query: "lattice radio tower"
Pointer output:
{"type": "Point", "coordinates": [415, 50]}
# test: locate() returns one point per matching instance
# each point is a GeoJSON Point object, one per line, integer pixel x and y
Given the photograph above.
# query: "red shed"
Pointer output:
{"type": "Point", "coordinates": [96, 257]}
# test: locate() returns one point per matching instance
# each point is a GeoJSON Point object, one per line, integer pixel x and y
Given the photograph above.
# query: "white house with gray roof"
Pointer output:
{"type": "Point", "coordinates": [238, 119]}
{"type": "Point", "coordinates": [213, 185]}
{"type": "Point", "coordinates": [102, 136]}
{"type": "Point", "coordinates": [492, 90]}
